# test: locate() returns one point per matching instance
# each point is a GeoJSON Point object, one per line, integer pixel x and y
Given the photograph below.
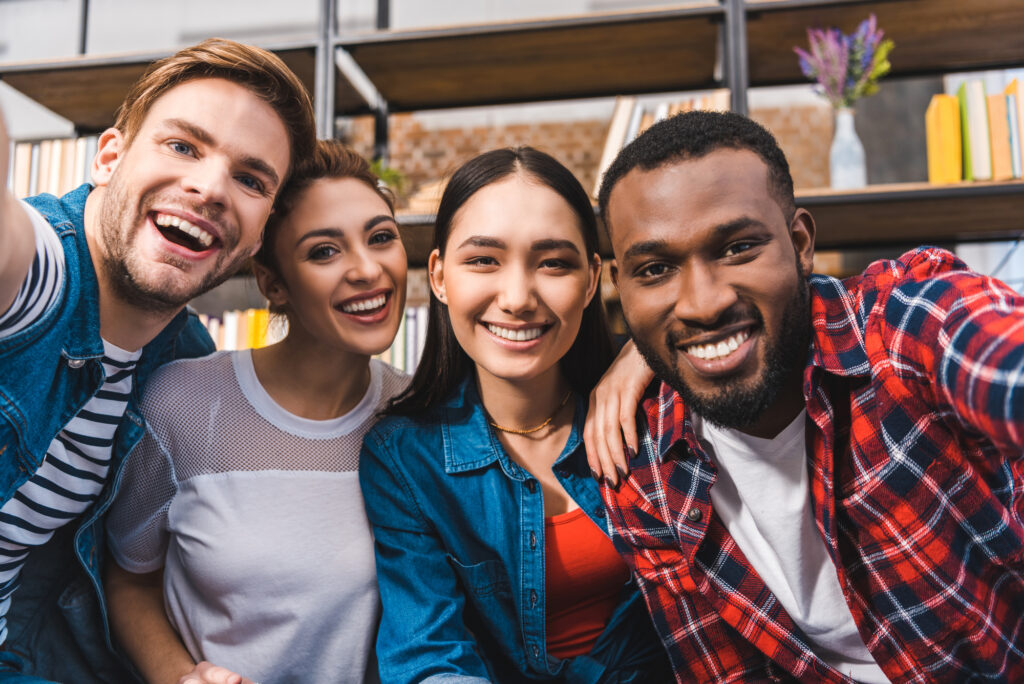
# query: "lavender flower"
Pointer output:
{"type": "Point", "coordinates": [846, 68]}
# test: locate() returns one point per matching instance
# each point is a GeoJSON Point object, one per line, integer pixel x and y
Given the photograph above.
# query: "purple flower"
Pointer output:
{"type": "Point", "coordinates": [845, 67]}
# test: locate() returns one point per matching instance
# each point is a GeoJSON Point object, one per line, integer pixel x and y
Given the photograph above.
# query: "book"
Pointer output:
{"type": "Point", "coordinates": [942, 133]}
{"type": "Point", "coordinates": [999, 138]}
{"type": "Point", "coordinates": [1015, 120]}
{"type": "Point", "coordinates": [616, 136]}
{"type": "Point", "coordinates": [974, 129]}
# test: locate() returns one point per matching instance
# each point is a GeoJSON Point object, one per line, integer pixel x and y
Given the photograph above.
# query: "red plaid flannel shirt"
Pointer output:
{"type": "Point", "coordinates": [915, 397]}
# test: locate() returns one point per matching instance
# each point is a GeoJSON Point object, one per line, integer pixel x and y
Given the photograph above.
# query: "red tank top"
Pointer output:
{"type": "Point", "coordinates": [583, 576]}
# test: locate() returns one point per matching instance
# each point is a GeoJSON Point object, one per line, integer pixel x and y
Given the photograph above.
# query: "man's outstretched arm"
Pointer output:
{"type": "Point", "coordinates": [17, 240]}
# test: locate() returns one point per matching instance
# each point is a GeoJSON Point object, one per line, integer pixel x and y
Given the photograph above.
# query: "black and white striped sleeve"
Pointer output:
{"type": "Point", "coordinates": [42, 284]}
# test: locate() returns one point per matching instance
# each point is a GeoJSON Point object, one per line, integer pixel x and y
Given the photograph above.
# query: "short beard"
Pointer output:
{"type": "Point", "coordinates": [738, 405]}
{"type": "Point", "coordinates": [126, 274]}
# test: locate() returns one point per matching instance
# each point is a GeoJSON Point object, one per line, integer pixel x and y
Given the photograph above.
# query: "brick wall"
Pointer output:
{"type": "Point", "coordinates": [428, 155]}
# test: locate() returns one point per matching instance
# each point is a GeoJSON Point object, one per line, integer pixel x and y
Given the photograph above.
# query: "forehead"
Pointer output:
{"type": "Point", "coordinates": [336, 202]}
{"type": "Point", "coordinates": [233, 114]}
{"type": "Point", "coordinates": [516, 208]}
{"type": "Point", "coordinates": [684, 200]}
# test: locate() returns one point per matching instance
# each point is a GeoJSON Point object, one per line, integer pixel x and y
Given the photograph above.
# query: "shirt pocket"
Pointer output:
{"type": "Point", "coordinates": [491, 614]}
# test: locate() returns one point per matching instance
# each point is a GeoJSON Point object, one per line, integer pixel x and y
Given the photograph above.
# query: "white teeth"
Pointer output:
{"type": "Point", "coordinates": [365, 304]}
{"type": "Point", "coordinates": [520, 335]}
{"type": "Point", "coordinates": [720, 349]}
{"type": "Point", "coordinates": [171, 221]}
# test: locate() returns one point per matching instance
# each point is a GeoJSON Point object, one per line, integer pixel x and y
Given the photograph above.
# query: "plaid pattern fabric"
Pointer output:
{"type": "Point", "coordinates": [915, 397]}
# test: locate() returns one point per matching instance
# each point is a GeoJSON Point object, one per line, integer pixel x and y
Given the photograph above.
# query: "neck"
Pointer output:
{"type": "Point", "coordinates": [783, 411]}
{"type": "Point", "coordinates": [312, 380]}
{"type": "Point", "coordinates": [522, 404]}
{"type": "Point", "coordinates": [121, 323]}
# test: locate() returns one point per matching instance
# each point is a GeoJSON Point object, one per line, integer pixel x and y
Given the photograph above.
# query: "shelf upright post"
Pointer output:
{"type": "Point", "coordinates": [83, 28]}
{"type": "Point", "coordinates": [380, 112]}
{"type": "Point", "coordinates": [737, 73]}
{"type": "Point", "coordinates": [323, 82]}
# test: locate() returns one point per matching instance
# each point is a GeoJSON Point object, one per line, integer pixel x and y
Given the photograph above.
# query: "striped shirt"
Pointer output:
{"type": "Point", "coordinates": [77, 462]}
{"type": "Point", "coordinates": [914, 390]}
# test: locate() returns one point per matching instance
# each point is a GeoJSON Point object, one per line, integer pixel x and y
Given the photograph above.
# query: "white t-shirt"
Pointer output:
{"type": "Point", "coordinates": [763, 496]}
{"type": "Point", "coordinates": [257, 518]}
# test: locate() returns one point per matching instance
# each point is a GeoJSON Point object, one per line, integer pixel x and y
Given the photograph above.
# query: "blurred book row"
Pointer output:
{"type": "Point", "coordinates": [975, 135]}
{"type": "Point", "coordinates": [631, 117]}
{"type": "Point", "coordinates": [254, 328]}
{"type": "Point", "coordinates": [54, 166]}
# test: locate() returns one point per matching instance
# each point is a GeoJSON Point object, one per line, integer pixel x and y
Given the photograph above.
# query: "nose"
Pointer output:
{"type": "Point", "coordinates": [704, 295]}
{"type": "Point", "coordinates": [362, 267]}
{"type": "Point", "coordinates": [208, 179]}
{"type": "Point", "coordinates": [517, 292]}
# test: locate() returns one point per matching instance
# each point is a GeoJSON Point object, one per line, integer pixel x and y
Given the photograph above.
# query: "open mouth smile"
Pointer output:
{"type": "Point", "coordinates": [183, 233]}
{"type": "Point", "coordinates": [720, 349]}
{"type": "Point", "coordinates": [365, 307]}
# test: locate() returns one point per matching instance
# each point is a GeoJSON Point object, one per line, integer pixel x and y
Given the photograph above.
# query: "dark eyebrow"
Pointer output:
{"type": "Point", "coordinates": [203, 136]}
{"type": "Point", "coordinates": [339, 234]}
{"type": "Point", "coordinates": [552, 243]}
{"type": "Point", "coordinates": [721, 232]}
{"type": "Point", "coordinates": [482, 241]}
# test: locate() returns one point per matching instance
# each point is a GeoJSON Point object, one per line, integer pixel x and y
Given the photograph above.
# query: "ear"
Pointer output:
{"type": "Point", "coordinates": [435, 271]}
{"type": "Point", "coordinates": [801, 232]}
{"type": "Point", "coordinates": [595, 277]}
{"type": "Point", "coordinates": [111, 147]}
{"type": "Point", "coordinates": [271, 286]}
{"type": "Point", "coordinates": [613, 269]}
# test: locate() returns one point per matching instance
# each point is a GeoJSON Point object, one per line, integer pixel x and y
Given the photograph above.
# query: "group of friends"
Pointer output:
{"type": "Point", "coordinates": [782, 476]}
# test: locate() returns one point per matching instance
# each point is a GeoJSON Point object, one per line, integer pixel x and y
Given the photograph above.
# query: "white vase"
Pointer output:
{"type": "Point", "coordinates": [846, 166]}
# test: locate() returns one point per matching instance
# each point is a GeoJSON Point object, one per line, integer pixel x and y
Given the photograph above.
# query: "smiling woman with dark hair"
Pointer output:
{"type": "Point", "coordinates": [492, 555]}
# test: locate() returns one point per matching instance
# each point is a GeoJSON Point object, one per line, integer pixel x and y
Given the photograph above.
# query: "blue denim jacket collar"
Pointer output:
{"type": "Point", "coordinates": [470, 442]}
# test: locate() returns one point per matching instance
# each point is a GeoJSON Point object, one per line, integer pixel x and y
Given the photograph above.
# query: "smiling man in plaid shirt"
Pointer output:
{"type": "Point", "coordinates": [829, 481]}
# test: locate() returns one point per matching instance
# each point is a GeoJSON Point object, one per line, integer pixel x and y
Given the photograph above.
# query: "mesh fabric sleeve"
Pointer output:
{"type": "Point", "coordinates": [137, 532]}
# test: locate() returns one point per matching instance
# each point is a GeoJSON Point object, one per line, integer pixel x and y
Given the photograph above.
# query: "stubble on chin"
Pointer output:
{"type": "Point", "coordinates": [132, 277]}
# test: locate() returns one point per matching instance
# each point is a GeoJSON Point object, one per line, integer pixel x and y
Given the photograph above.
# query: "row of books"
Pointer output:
{"type": "Point", "coordinates": [975, 136]}
{"type": "Point", "coordinates": [254, 328]}
{"type": "Point", "coordinates": [630, 118]}
{"type": "Point", "coordinates": [54, 166]}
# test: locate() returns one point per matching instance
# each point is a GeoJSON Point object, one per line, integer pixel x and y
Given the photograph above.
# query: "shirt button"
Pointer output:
{"type": "Point", "coordinates": [533, 598]}
{"type": "Point", "coordinates": [694, 514]}
{"type": "Point", "coordinates": [533, 540]}
{"type": "Point", "coordinates": [536, 650]}
{"type": "Point", "coordinates": [532, 486]}
{"type": "Point", "coordinates": [76, 363]}
{"type": "Point", "coordinates": [599, 511]}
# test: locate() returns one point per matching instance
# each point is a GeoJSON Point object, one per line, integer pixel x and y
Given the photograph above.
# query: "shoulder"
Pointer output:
{"type": "Point", "coordinates": [179, 381]}
{"type": "Point", "coordinates": [392, 381]}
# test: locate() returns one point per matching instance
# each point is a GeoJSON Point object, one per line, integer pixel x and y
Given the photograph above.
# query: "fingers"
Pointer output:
{"type": "Point", "coordinates": [601, 434]}
{"type": "Point", "coordinates": [208, 673]}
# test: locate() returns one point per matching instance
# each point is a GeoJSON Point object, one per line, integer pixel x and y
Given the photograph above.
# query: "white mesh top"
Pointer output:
{"type": "Point", "coordinates": [257, 518]}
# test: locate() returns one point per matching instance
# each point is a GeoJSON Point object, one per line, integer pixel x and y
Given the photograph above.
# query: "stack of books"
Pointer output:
{"type": "Point", "coordinates": [974, 136]}
{"type": "Point", "coordinates": [50, 166]}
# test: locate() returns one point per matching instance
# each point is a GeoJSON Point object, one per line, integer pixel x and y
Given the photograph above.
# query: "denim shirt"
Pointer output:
{"type": "Point", "coordinates": [57, 626]}
{"type": "Point", "coordinates": [459, 537]}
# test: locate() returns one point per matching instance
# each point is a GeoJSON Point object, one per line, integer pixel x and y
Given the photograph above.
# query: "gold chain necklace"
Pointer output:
{"type": "Point", "coordinates": [526, 431]}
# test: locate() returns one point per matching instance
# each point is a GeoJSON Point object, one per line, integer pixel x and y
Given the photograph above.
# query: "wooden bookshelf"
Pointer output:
{"type": "Point", "coordinates": [916, 213]}
{"type": "Point", "coordinates": [88, 90]}
{"type": "Point", "coordinates": [584, 56]}
{"type": "Point", "coordinates": [932, 37]}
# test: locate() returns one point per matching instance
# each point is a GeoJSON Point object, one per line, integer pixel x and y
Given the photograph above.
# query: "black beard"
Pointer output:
{"type": "Point", "coordinates": [738, 405]}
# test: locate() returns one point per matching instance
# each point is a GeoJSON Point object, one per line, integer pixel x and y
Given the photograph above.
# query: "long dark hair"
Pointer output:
{"type": "Point", "coordinates": [445, 364]}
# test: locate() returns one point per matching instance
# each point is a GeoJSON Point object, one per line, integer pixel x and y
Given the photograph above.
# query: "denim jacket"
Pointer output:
{"type": "Point", "coordinates": [459, 534]}
{"type": "Point", "coordinates": [57, 626]}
